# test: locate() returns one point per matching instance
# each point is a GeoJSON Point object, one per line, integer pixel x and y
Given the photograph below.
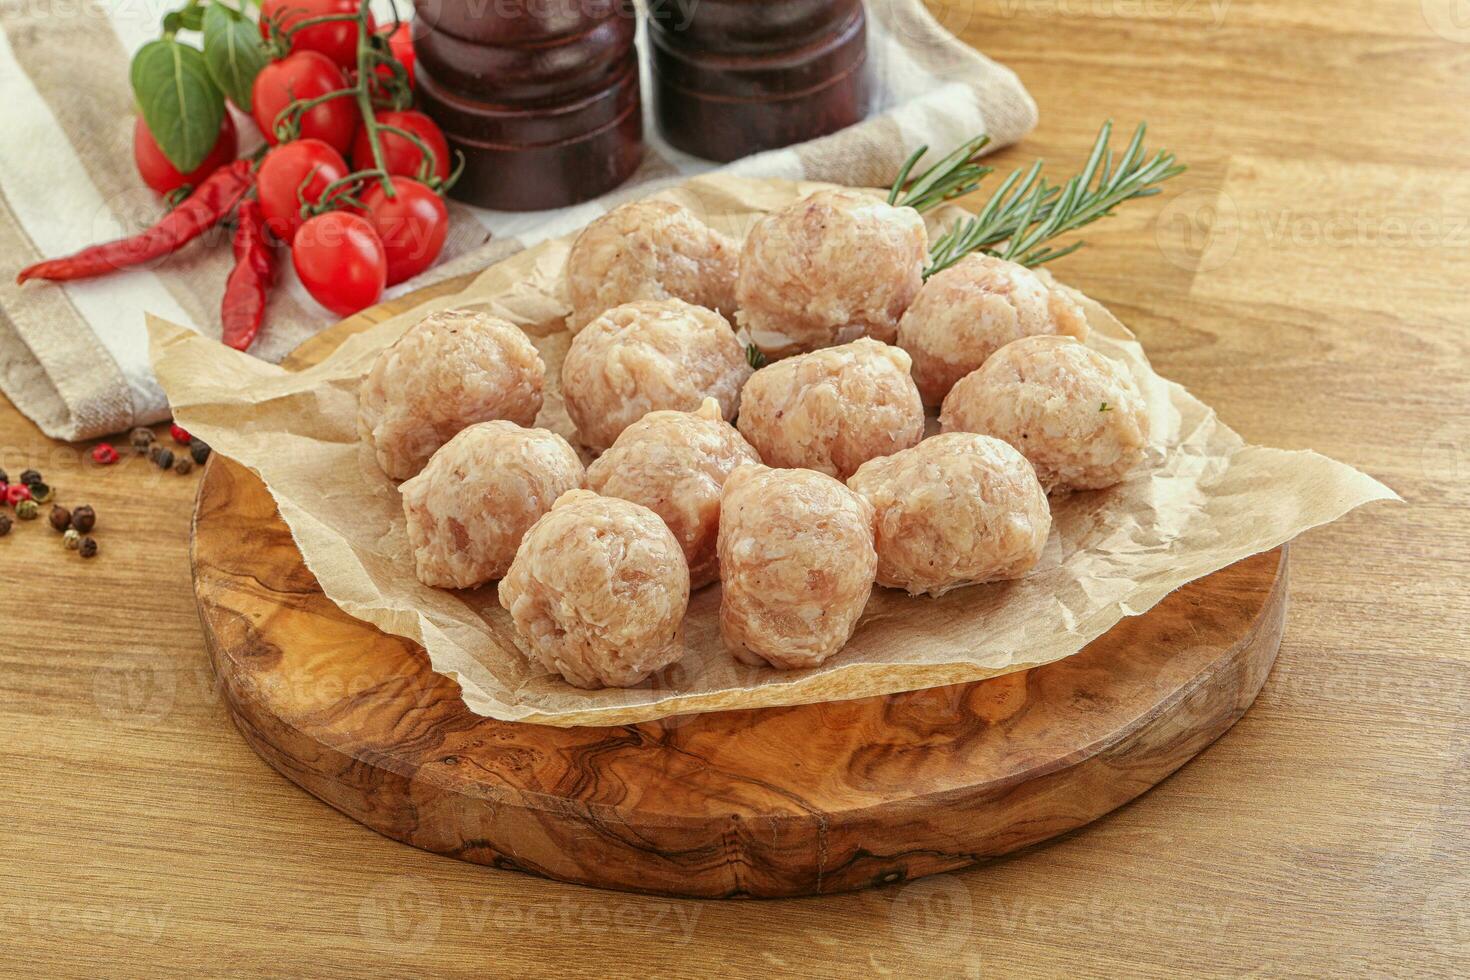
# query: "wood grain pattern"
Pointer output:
{"type": "Point", "coordinates": [1323, 835]}
{"type": "Point", "coordinates": [793, 801]}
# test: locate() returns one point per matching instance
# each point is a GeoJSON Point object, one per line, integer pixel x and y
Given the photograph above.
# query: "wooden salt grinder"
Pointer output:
{"type": "Point", "coordinates": [734, 77]}
{"type": "Point", "coordinates": [541, 96]}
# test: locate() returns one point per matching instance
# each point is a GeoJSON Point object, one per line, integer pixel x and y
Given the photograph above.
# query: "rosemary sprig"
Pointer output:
{"type": "Point", "coordinates": [955, 175]}
{"type": "Point", "coordinates": [1026, 211]}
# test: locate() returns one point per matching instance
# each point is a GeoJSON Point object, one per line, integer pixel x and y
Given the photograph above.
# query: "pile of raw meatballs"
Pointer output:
{"type": "Point", "coordinates": [825, 484]}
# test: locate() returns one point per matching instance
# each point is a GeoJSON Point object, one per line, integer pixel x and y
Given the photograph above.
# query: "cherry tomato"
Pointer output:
{"type": "Point", "coordinates": [400, 42]}
{"type": "Point", "coordinates": [400, 156]}
{"type": "Point", "coordinates": [335, 39]}
{"type": "Point", "coordinates": [283, 173]}
{"type": "Point", "coordinates": [161, 175]}
{"type": "Point", "coordinates": [305, 75]}
{"type": "Point", "coordinates": [412, 225]}
{"type": "Point", "coordinates": [339, 259]}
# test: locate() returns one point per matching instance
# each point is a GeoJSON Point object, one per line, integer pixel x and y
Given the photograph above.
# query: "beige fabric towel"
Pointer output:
{"type": "Point", "coordinates": [75, 357]}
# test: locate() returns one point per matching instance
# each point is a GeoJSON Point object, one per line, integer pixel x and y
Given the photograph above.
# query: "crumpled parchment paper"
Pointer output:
{"type": "Point", "coordinates": [1204, 501]}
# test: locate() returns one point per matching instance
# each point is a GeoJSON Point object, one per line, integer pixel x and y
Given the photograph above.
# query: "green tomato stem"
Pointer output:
{"type": "Point", "coordinates": [365, 73]}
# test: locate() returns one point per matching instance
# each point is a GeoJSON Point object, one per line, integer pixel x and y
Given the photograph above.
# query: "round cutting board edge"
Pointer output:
{"type": "Point", "coordinates": [770, 802]}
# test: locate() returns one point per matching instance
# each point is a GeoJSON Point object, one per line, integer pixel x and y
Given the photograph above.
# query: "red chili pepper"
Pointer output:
{"type": "Point", "coordinates": [243, 308]}
{"type": "Point", "coordinates": [104, 453]}
{"type": "Point", "coordinates": [179, 433]}
{"type": "Point", "coordinates": [200, 211]}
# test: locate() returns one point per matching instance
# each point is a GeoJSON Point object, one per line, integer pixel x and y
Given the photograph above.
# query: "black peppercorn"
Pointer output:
{"type": "Point", "coordinates": [60, 518]}
{"type": "Point", "coordinates": [183, 465]}
{"type": "Point", "coordinates": [40, 492]}
{"type": "Point", "coordinates": [141, 438]}
{"type": "Point", "coordinates": [30, 477]}
{"type": "Point", "coordinates": [84, 518]}
{"type": "Point", "coordinates": [4, 477]}
{"type": "Point", "coordinates": [165, 459]}
{"type": "Point", "coordinates": [4, 525]}
{"type": "Point", "coordinates": [88, 548]}
{"type": "Point", "coordinates": [155, 451]}
{"type": "Point", "coordinates": [199, 450]}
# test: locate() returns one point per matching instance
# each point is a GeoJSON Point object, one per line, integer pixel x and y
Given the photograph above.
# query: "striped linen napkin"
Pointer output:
{"type": "Point", "coordinates": [74, 357]}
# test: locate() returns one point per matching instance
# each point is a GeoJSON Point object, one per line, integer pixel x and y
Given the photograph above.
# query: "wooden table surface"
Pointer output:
{"type": "Point", "coordinates": [1307, 278]}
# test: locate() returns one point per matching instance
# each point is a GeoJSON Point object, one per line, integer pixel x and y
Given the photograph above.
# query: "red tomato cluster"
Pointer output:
{"type": "Point", "coordinates": [368, 236]}
{"type": "Point", "coordinates": [410, 226]}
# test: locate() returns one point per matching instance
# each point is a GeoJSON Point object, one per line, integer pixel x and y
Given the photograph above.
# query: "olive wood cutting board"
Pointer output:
{"type": "Point", "coordinates": [769, 802]}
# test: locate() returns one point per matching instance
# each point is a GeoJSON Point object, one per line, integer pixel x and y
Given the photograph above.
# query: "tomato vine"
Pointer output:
{"type": "Point", "coordinates": [350, 231]}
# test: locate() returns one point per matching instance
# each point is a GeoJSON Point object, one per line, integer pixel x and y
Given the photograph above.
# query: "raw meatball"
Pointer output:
{"type": "Point", "coordinates": [450, 371]}
{"type": "Point", "coordinates": [797, 565]}
{"type": "Point", "coordinates": [641, 357]}
{"type": "Point", "coordinates": [957, 509]}
{"type": "Point", "coordinates": [468, 509]}
{"type": "Point", "coordinates": [833, 410]}
{"type": "Point", "coordinates": [598, 591]}
{"type": "Point", "coordinates": [649, 250]}
{"type": "Point", "coordinates": [675, 463]}
{"type": "Point", "coordinates": [972, 309]}
{"type": "Point", "coordinates": [830, 268]}
{"type": "Point", "coordinates": [1075, 414]}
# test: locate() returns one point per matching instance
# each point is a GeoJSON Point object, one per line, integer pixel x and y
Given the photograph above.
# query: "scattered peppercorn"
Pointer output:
{"type": "Point", "coordinates": [72, 539]}
{"type": "Point", "coordinates": [84, 518]}
{"type": "Point", "coordinates": [88, 548]}
{"type": "Point", "coordinates": [165, 459]}
{"type": "Point", "coordinates": [40, 492]}
{"type": "Point", "coordinates": [199, 449]}
{"type": "Point", "coordinates": [141, 438]}
{"type": "Point", "coordinates": [181, 436]}
{"type": "Point", "coordinates": [60, 518]}
{"type": "Point", "coordinates": [17, 492]}
{"type": "Point", "coordinates": [4, 477]}
{"type": "Point", "coordinates": [4, 525]}
{"type": "Point", "coordinates": [30, 477]}
{"type": "Point", "coordinates": [104, 454]}
{"type": "Point", "coordinates": [27, 510]}
{"type": "Point", "coordinates": [183, 465]}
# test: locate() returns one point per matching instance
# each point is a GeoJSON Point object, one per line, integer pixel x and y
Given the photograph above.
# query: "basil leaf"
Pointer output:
{"type": "Point", "coordinates": [233, 51]}
{"type": "Point", "coordinates": [188, 18]}
{"type": "Point", "coordinates": [181, 106]}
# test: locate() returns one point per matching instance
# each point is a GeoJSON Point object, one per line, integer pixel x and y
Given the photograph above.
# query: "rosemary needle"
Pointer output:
{"type": "Point", "coordinates": [953, 176]}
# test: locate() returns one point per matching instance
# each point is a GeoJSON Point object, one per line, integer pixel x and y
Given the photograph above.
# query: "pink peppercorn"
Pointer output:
{"type": "Point", "coordinates": [181, 436]}
{"type": "Point", "coordinates": [104, 454]}
{"type": "Point", "coordinates": [17, 492]}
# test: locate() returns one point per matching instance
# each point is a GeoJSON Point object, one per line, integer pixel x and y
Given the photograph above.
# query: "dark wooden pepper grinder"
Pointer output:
{"type": "Point", "coordinates": [541, 96]}
{"type": "Point", "coordinates": [734, 77]}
